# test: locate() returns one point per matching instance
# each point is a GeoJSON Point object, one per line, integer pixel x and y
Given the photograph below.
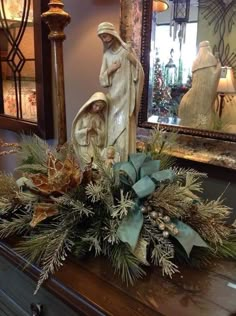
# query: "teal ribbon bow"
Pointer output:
{"type": "Point", "coordinates": [144, 173]}
{"type": "Point", "coordinates": [188, 237]}
{"type": "Point", "coordinates": [143, 176]}
{"type": "Point", "coordinates": [130, 226]}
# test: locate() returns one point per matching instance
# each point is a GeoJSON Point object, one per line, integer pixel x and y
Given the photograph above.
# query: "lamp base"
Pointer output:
{"type": "Point", "coordinates": [221, 104]}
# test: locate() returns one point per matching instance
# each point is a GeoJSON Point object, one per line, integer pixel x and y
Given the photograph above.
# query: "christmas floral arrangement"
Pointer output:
{"type": "Point", "coordinates": [137, 213]}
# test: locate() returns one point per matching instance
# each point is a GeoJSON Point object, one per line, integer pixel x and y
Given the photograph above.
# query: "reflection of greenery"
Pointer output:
{"type": "Point", "coordinates": [217, 123]}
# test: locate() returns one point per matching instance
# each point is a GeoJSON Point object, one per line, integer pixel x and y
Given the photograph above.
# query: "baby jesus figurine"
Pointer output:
{"type": "Point", "coordinates": [110, 156]}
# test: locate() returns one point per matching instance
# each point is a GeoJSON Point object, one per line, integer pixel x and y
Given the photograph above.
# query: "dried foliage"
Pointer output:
{"type": "Point", "coordinates": [13, 148]}
{"type": "Point", "coordinates": [172, 200]}
{"type": "Point", "coordinates": [209, 219]}
{"type": "Point", "coordinates": [8, 186]}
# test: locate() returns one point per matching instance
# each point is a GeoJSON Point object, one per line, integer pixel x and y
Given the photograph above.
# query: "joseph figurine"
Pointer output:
{"type": "Point", "coordinates": [122, 73]}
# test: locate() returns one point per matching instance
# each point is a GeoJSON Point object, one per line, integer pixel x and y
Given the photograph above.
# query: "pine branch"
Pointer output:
{"type": "Point", "coordinates": [8, 186]}
{"type": "Point", "coordinates": [228, 248]}
{"type": "Point", "coordinates": [209, 220]}
{"type": "Point", "coordinates": [106, 173]}
{"type": "Point", "coordinates": [33, 247]}
{"type": "Point", "coordinates": [33, 150]}
{"type": "Point", "coordinates": [66, 150]}
{"type": "Point", "coordinates": [33, 168]}
{"type": "Point", "coordinates": [101, 191]}
{"type": "Point", "coordinates": [94, 237]}
{"type": "Point", "coordinates": [181, 173]}
{"type": "Point", "coordinates": [123, 206]}
{"type": "Point", "coordinates": [192, 183]}
{"type": "Point", "coordinates": [72, 211]}
{"type": "Point", "coordinates": [166, 161]}
{"type": "Point", "coordinates": [110, 233]}
{"type": "Point", "coordinates": [17, 225]}
{"type": "Point", "coordinates": [171, 199]}
{"type": "Point", "coordinates": [95, 192]}
{"type": "Point", "coordinates": [125, 263]}
{"type": "Point", "coordinates": [163, 251]}
{"type": "Point", "coordinates": [161, 142]}
{"type": "Point", "coordinates": [5, 206]}
{"type": "Point", "coordinates": [163, 254]}
{"type": "Point", "coordinates": [54, 255]}
{"type": "Point", "coordinates": [80, 248]}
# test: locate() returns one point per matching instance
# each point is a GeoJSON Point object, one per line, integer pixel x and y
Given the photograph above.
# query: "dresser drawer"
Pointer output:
{"type": "Point", "coordinates": [16, 294]}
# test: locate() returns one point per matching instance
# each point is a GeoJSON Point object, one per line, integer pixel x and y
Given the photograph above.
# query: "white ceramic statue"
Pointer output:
{"type": "Point", "coordinates": [89, 127]}
{"type": "Point", "coordinates": [122, 73]}
{"type": "Point", "coordinates": [196, 108]}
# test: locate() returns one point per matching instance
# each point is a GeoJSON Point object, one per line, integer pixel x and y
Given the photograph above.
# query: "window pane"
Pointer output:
{"type": "Point", "coordinates": [18, 87]}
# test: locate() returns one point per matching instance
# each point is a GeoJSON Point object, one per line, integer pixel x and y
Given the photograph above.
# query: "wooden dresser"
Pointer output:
{"type": "Point", "coordinates": [89, 288]}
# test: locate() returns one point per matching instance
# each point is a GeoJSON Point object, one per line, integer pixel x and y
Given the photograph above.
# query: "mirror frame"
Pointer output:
{"type": "Point", "coordinates": [142, 120]}
{"type": "Point", "coordinates": [208, 147]}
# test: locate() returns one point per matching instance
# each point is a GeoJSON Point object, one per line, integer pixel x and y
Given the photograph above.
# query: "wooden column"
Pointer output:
{"type": "Point", "coordinates": [126, 18]}
{"type": "Point", "coordinates": [56, 18]}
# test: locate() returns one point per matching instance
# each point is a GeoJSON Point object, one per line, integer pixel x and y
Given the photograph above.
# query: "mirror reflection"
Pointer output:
{"type": "Point", "coordinates": [193, 64]}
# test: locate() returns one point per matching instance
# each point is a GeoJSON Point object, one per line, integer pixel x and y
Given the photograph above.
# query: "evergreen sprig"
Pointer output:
{"type": "Point", "coordinates": [33, 150]}
{"type": "Point", "coordinates": [34, 246]}
{"type": "Point", "coordinates": [162, 249]}
{"type": "Point", "coordinates": [172, 200]}
{"type": "Point", "coordinates": [72, 210]}
{"type": "Point", "coordinates": [8, 186]}
{"type": "Point", "coordinates": [19, 224]}
{"type": "Point", "coordinates": [54, 255]}
{"type": "Point", "coordinates": [33, 168]}
{"type": "Point", "coordinates": [123, 206]}
{"type": "Point", "coordinates": [228, 248]}
{"type": "Point", "coordinates": [125, 263]}
{"type": "Point", "coordinates": [209, 220]}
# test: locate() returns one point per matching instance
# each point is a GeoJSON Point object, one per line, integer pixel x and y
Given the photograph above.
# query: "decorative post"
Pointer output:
{"type": "Point", "coordinates": [57, 19]}
{"type": "Point", "coordinates": [126, 21]}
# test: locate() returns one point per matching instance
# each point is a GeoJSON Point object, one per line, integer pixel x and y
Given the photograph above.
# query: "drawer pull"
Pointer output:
{"type": "Point", "coordinates": [36, 309]}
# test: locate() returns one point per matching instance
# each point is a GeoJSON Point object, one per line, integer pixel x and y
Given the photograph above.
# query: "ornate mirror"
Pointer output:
{"type": "Point", "coordinates": [170, 40]}
{"type": "Point", "coordinates": [168, 46]}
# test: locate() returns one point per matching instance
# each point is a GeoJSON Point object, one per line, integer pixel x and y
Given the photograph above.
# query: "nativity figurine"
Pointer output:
{"type": "Point", "coordinates": [89, 128]}
{"type": "Point", "coordinates": [122, 73]}
{"type": "Point", "coordinates": [110, 156]}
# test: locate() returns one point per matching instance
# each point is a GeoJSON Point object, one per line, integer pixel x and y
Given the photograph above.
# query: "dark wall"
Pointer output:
{"type": "Point", "coordinates": [220, 181]}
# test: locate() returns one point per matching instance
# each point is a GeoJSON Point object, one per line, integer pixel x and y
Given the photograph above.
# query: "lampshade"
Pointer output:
{"type": "Point", "coordinates": [160, 5]}
{"type": "Point", "coordinates": [227, 84]}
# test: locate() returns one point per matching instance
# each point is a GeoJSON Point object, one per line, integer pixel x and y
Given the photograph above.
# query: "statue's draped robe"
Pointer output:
{"type": "Point", "coordinates": [87, 139]}
{"type": "Point", "coordinates": [125, 89]}
{"type": "Point", "coordinates": [84, 140]}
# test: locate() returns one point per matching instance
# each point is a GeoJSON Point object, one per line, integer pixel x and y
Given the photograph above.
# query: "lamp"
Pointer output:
{"type": "Point", "coordinates": [179, 17]}
{"type": "Point", "coordinates": [226, 86]}
{"type": "Point", "coordinates": [181, 11]}
{"type": "Point", "coordinates": [160, 5]}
